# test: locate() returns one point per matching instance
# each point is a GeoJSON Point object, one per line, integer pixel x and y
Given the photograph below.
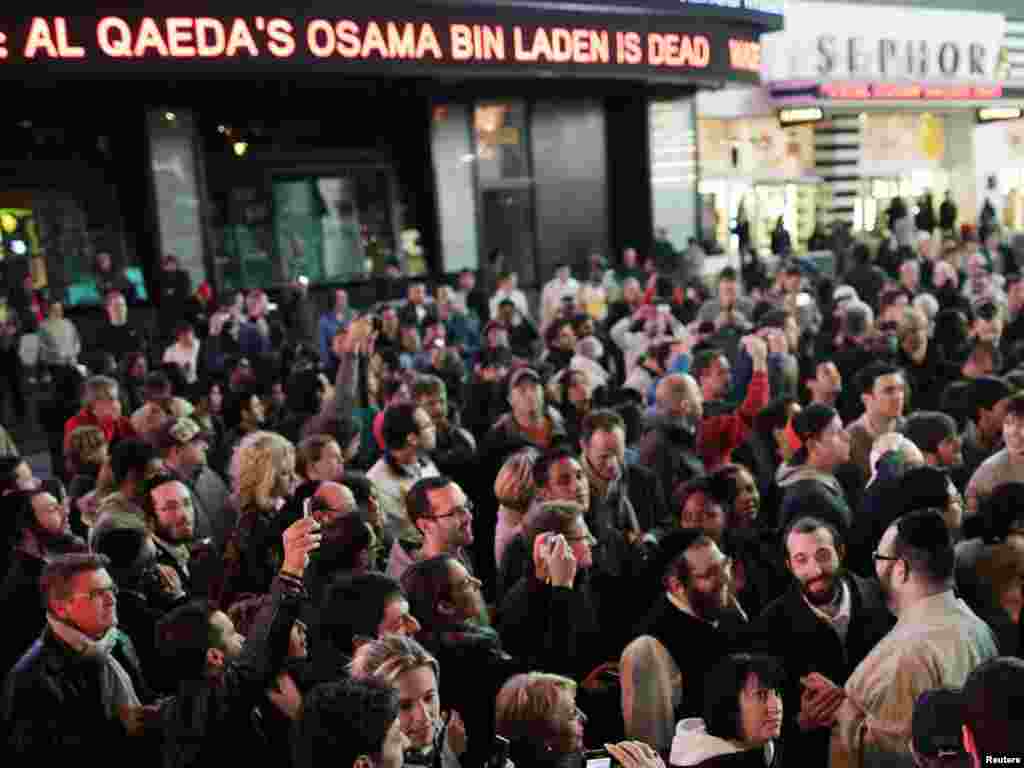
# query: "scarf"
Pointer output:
{"type": "Point", "coordinates": [116, 686]}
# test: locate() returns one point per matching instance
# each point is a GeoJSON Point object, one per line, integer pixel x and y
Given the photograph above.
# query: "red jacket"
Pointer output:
{"type": "Point", "coordinates": [114, 430]}
{"type": "Point", "coordinates": [720, 434]}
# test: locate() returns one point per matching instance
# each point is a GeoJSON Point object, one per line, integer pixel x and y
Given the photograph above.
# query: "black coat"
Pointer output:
{"type": "Point", "coordinates": [791, 631]}
{"type": "Point", "coordinates": [210, 724]}
{"type": "Point", "coordinates": [51, 708]}
{"type": "Point", "coordinates": [671, 451]}
{"type": "Point", "coordinates": [555, 629]}
{"type": "Point", "coordinates": [694, 645]}
{"type": "Point", "coordinates": [20, 598]}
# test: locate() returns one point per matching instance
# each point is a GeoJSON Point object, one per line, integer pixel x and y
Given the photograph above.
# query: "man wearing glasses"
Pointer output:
{"type": "Point", "coordinates": [443, 514]}
{"type": "Point", "coordinates": [937, 642]}
{"type": "Point", "coordinates": [79, 689]}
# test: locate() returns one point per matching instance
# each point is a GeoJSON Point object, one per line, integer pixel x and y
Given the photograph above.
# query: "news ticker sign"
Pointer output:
{"type": "Point", "coordinates": [580, 44]}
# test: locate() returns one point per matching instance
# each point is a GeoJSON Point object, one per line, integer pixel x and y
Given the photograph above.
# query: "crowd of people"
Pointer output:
{"type": "Point", "coordinates": [652, 519]}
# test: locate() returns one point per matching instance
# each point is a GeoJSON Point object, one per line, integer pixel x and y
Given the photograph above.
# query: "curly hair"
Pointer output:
{"type": "Point", "coordinates": [258, 460]}
{"type": "Point", "coordinates": [86, 447]}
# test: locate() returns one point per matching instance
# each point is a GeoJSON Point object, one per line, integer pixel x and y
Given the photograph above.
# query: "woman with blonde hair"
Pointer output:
{"type": "Point", "coordinates": [263, 476]}
{"type": "Point", "coordinates": [514, 488]}
{"type": "Point", "coordinates": [406, 665]}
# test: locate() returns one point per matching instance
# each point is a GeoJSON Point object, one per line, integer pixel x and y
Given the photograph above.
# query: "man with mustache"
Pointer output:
{"type": "Point", "coordinates": [825, 624]}
{"type": "Point", "coordinates": [171, 519]}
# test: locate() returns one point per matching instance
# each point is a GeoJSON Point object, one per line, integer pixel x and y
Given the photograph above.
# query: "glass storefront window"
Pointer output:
{"type": "Point", "coordinates": [334, 225]}
{"type": "Point", "coordinates": [505, 186]}
{"type": "Point", "coordinates": [62, 216]}
{"type": "Point", "coordinates": [172, 142]}
{"type": "Point", "coordinates": [673, 163]}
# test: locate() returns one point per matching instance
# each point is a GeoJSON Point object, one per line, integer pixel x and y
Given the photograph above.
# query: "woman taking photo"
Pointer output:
{"type": "Point", "coordinates": [263, 474]}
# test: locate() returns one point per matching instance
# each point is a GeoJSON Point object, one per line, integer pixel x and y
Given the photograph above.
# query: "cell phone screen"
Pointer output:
{"type": "Point", "coordinates": [599, 758]}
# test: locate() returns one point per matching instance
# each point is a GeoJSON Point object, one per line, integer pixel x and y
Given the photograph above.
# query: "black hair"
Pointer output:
{"type": "Point", "coordinates": [927, 429]}
{"type": "Point", "coordinates": [871, 373]}
{"type": "Point", "coordinates": [724, 685]}
{"type": "Point", "coordinates": [703, 360]}
{"type": "Point", "coordinates": [425, 584]}
{"type": "Point", "coordinates": [352, 607]}
{"type": "Point", "coordinates": [343, 721]}
{"type": "Point", "coordinates": [399, 423]}
{"type": "Point", "coordinates": [1002, 512]}
{"type": "Point", "coordinates": [958, 401]}
{"type": "Point", "coordinates": [130, 455]}
{"type": "Point", "coordinates": [810, 525]}
{"type": "Point", "coordinates": [728, 274]}
{"type": "Point", "coordinates": [808, 423]}
{"type": "Point", "coordinates": [183, 638]}
{"type": "Point", "coordinates": [417, 500]}
{"type": "Point", "coordinates": [342, 543]}
{"type": "Point", "coordinates": [774, 416]}
{"type": "Point", "coordinates": [546, 460]}
{"type": "Point", "coordinates": [236, 404]}
{"type": "Point", "coordinates": [991, 700]}
{"type": "Point", "coordinates": [924, 541]}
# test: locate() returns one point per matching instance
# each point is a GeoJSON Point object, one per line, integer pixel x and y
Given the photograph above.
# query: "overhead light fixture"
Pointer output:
{"type": "Point", "coordinates": [800, 115]}
{"type": "Point", "coordinates": [994, 114]}
{"type": "Point", "coordinates": [240, 148]}
{"type": "Point", "coordinates": [170, 117]}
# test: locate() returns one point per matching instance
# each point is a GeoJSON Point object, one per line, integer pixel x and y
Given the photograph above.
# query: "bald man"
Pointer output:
{"type": "Point", "coordinates": [669, 446]}
{"type": "Point", "coordinates": [332, 501]}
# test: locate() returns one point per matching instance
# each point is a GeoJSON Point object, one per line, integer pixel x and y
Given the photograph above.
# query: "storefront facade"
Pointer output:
{"type": "Point", "coordinates": [258, 148]}
{"type": "Point", "coordinates": [896, 93]}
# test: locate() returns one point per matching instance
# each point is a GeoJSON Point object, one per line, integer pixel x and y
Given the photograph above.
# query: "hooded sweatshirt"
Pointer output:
{"type": "Point", "coordinates": [694, 746]}
{"type": "Point", "coordinates": [810, 492]}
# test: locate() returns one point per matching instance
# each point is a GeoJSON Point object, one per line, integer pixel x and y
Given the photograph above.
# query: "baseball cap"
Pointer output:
{"type": "Point", "coordinates": [180, 431]}
{"type": "Point", "coordinates": [937, 723]}
{"type": "Point", "coordinates": [521, 375]}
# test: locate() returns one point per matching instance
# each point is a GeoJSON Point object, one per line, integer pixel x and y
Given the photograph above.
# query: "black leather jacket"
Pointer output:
{"type": "Point", "coordinates": [212, 724]}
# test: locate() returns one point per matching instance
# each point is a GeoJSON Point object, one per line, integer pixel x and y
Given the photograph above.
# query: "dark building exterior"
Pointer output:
{"type": "Point", "coordinates": [258, 144]}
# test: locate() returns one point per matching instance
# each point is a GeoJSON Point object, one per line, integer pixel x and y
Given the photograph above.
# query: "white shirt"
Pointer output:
{"type": "Point", "coordinates": [517, 297]}
{"type": "Point", "coordinates": [186, 358]}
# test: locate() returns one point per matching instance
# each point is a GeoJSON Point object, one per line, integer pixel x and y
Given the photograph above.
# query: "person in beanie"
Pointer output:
{"type": "Point", "coordinates": [808, 482]}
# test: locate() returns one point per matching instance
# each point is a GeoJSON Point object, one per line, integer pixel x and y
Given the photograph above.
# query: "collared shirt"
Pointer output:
{"type": "Point", "coordinates": [936, 643]}
{"type": "Point", "coordinates": [841, 621]}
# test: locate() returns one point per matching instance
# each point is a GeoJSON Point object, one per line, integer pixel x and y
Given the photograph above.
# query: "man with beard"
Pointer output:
{"type": "Point", "coordinates": [455, 449]}
{"type": "Point", "coordinates": [694, 622]}
{"type": "Point", "coordinates": [826, 624]}
{"type": "Point", "coordinates": [171, 519]}
{"type": "Point", "coordinates": [443, 515]}
{"type": "Point", "coordinates": [936, 642]}
{"type": "Point", "coordinates": [183, 446]}
{"type": "Point", "coordinates": [41, 530]}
